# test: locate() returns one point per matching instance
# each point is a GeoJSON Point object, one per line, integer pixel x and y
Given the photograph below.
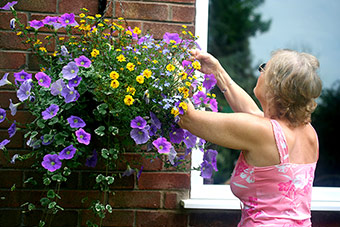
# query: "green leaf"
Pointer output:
{"type": "Point", "coordinates": [51, 194]}
{"type": "Point", "coordinates": [53, 121]}
{"type": "Point", "coordinates": [102, 108]}
{"type": "Point", "coordinates": [67, 171]}
{"type": "Point", "coordinates": [100, 131]}
{"type": "Point", "coordinates": [40, 123]}
{"type": "Point", "coordinates": [41, 223]}
{"type": "Point", "coordinates": [33, 134]}
{"type": "Point", "coordinates": [60, 139]}
{"type": "Point", "coordinates": [46, 181]}
{"type": "Point", "coordinates": [13, 188]}
{"type": "Point", "coordinates": [31, 206]}
{"type": "Point", "coordinates": [44, 201]}
{"type": "Point", "coordinates": [57, 177]}
{"type": "Point", "coordinates": [27, 134]}
{"type": "Point", "coordinates": [52, 205]}
{"type": "Point", "coordinates": [31, 181]}
{"type": "Point", "coordinates": [110, 179]}
{"type": "Point", "coordinates": [105, 153]}
{"type": "Point", "coordinates": [100, 178]}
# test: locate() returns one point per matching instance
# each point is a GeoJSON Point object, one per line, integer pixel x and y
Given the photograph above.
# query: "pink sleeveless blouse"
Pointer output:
{"type": "Point", "coordinates": [278, 195]}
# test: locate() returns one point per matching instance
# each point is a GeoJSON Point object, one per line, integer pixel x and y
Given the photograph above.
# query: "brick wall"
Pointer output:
{"type": "Point", "coordinates": [151, 201]}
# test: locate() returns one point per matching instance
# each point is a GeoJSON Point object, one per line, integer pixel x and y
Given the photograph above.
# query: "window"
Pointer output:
{"type": "Point", "coordinates": [210, 196]}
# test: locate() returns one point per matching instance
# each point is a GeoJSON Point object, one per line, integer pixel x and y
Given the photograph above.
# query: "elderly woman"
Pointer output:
{"type": "Point", "coordinates": [274, 174]}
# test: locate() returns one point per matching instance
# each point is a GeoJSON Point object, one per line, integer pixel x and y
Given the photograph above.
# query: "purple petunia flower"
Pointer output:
{"type": "Point", "coordinates": [200, 98]}
{"type": "Point", "coordinates": [14, 158]}
{"type": "Point", "coordinates": [210, 156]}
{"type": "Point", "coordinates": [46, 142]}
{"type": "Point", "coordinates": [9, 5]}
{"type": "Point", "coordinates": [36, 24]}
{"type": "Point", "coordinates": [70, 94]}
{"type": "Point", "coordinates": [172, 156]}
{"type": "Point", "coordinates": [91, 161]}
{"type": "Point", "coordinates": [43, 79]}
{"type": "Point", "coordinates": [83, 61]}
{"type": "Point", "coordinates": [134, 35]}
{"type": "Point", "coordinates": [213, 105]}
{"type": "Point", "coordinates": [34, 143]}
{"type": "Point", "coordinates": [50, 20]}
{"type": "Point", "coordinates": [67, 19]}
{"type": "Point", "coordinates": [171, 37]}
{"type": "Point", "coordinates": [4, 143]}
{"type": "Point", "coordinates": [140, 172]}
{"type": "Point", "coordinates": [209, 81]}
{"type": "Point", "coordinates": [67, 153]}
{"type": "Point", "coordinates": [186, 63]}
{"type": "Point", "coordinates": [22, 76]}
{"type": "Point", "coordinates": [50, 112]}
{"type": "Point", "coordinates": [13, 107]}
{"type": "Point", "coordinates": [189, 139]}
{"type": "Point", "coordinates": [176, 135]}
{"type": "Point", "coordinates": [140, 136]}
{"type": "Point", "coordinates": [206, 170]}
{"type": "Point", "coordinates": [162, 145]}
{"type": "Point", "coordinates": [56, 26]}
{"type": "Point", "coordinates": [70, 70]}
{"type": "Point", "coordinates": [74, 82]}
{"type": "Point", "coordinates": [4, 80]}
{"type": "Point", "coordinates": [2, 115]}
{"type": "Point", "coordinates": [155, 121]}
{"type": "Point", "coordinates": [24, 91]}
{"type": "Point", "coordinates": [51, 162]}
{"type": "Point", "coordinates": [138, 122]}
{"type": "Point", "coordinates": [76, 122]}
{"type": "Point", "coordinates": [57, 87]}
{"type": "Point", "coordinates": [12, 130]}
{"type": "Point", "coordinates": [83, 137]}
{"type": "Point", "coordinates": [128, 171]}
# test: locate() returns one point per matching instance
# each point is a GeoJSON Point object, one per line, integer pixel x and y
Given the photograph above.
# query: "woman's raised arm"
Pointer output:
{"type": "Point", "coordinates": [237, 98]}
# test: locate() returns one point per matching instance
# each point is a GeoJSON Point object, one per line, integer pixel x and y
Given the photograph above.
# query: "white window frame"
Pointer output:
{"type": "Point", "coordinates": [203, 196]}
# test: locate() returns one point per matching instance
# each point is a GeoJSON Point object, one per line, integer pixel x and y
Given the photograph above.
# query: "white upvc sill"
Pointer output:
{"type": "Point", "coordinates": [323, 199]}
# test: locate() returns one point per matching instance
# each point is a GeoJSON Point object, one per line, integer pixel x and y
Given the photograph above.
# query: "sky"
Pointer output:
{"type": "Point", "coordinates": [312, 26]}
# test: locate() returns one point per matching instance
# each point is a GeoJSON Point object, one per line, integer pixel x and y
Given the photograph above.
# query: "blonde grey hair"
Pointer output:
{"type": "Point", "coordinates": [293, 85]}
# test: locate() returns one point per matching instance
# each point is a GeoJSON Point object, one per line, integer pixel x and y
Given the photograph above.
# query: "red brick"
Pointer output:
{"type": "Point", "coordinates": [65, 218]}
{"type": "Point", "coordinates": [170, 200]}
{"type": "Point", "coordinates": [10, 199]}
{"type": "Point", "coordinates": [88, 181]}
{"type": "Point", "coordinates": [10, 217]}
{"type": "Point", "coordinates": [11, 60]}
{"type": "Point", "coordinates": [22, 117]}
{"type": "Point", "coordinates": [10, 41]}
{"type": "Point", "coordinates": [5, 17]}
{"type": "Point", "coordinates": [119, 218]}
{"type": "Point", "coordinates": [177, 1]}
{"type": "Point", "coordinates": [160, 218]}
{"type": "Point", "coordinates": [183, 13]}
{"type": "Point", "coordinates": [74, 6]}
{"type": "Point", "coordinates": [6, 95]}
{"type": "Point", "coordinates": [145, 11]}
{"type": "Point", "coordinates": [10, 177]}
{"type": "Point", "coordinates": [159, 29]}
{"type": "Point", "coordinates": [136, 161]}
{"type": "Point", "coordinates": [17, 141]}
{"type": "Point", "coordinates": [135, 199]}
{"type": "Point", "coordinates": [73, 198]}
{"type": "Point", "coordinates": [163, 180]}
{"type": "Point", "coordinates": [37, 5]}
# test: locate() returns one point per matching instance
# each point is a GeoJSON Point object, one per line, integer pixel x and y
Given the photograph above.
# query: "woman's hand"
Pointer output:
{"type": "Point", "coordinates": [209, 64]}
{"type": "Point", "coordinates": [185, 118]}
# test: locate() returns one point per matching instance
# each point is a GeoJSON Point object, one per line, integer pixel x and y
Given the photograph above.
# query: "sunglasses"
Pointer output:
{"type": "Point", "coordinates": [262, 67]}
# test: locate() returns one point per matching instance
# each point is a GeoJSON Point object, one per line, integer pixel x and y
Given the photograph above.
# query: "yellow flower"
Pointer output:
{"type": "Point", "coordinates": [38, 42]}
{"type": "Point", "coordinates": [137, 30]}
{"type": "Point", "coordinates": [139, 63]}
{"type": "Point", "coordinates": [81, 15]}
{"type": "Point", "coordinates": [184, 26]}
{"type": "Point", "coordinates": [61, 38]}
{"type": "Point", "coordinates": [90, 17]}
{"type": "Point", "coordinates": [172, 41]}
{"type": "Point", "coordinates": [118, 50]}
{"type": "Point", "coordinates": [147, 73]}
{"type": "Point", "coordinates": [94, 53]}
{"type": "Point", "coordinates": [130, 66]}
{"type": "Point", "coordinates": [184, 32]}
{"type": "Point", "coordinates": [121, 58]}
{"type": "Point", "coordinates": [184, 106]}
{"type": "Point", "coordinates": [174, 111]}
{"type": "Point", "coordinates": [94, 30]}
{"type": "Point", "coordinates": [19, 33]}
{"type": "Point", "coordinates": [128, 32]}
{"type": "Point", "coordinates": [98, 15]}
{"type": "Point", "coordinates": [155, 61]}
{"type": "Point", "coordinates": [106, 20]}
{"type": "Point", "coordinates": [120, 18]}
{"type": "Point", "coordinates": [42, 69]}
{"type": "Point", "coordinates": [82, 21]}
{"type": "Point", "coordinates": [144, 47]}
{"type": "Point", "coordinates": [196, 65]}
{"type": "Point", "coordinates": [43, 49]}
{"type": "Point", "coordinates": [114, 83]}
{"type": "Point", "coordinates": [213, 95]}
{"type": "Point", "coordinates": [84, 9]}
{"type": "Point", "coordinates": [184, 75]}
{"type": "Point", "coordinates": [101, 25]}
{"type": "Point", "coordinates": [200, 88]}
{"type": "Point", "coordinates": [114, 75]}
{"type": "Point", "coordinates": [140, 79]}
{"type": "Point", "coordinates": [55, 53]}
{"type": "Point", "coordinates": [185, 95]}
{"type": "Point", "coordinates": [131, 90]}
{"type": "Point", "coordinates": [188, 84]}
{"type": "Point", "coordinates": [128, 100]}
{"type": "Point", "coordinates": [170, 67]}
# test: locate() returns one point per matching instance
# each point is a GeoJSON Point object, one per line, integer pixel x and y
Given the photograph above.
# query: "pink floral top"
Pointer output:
{"type": "Point", "coordinates": [278, 195]}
